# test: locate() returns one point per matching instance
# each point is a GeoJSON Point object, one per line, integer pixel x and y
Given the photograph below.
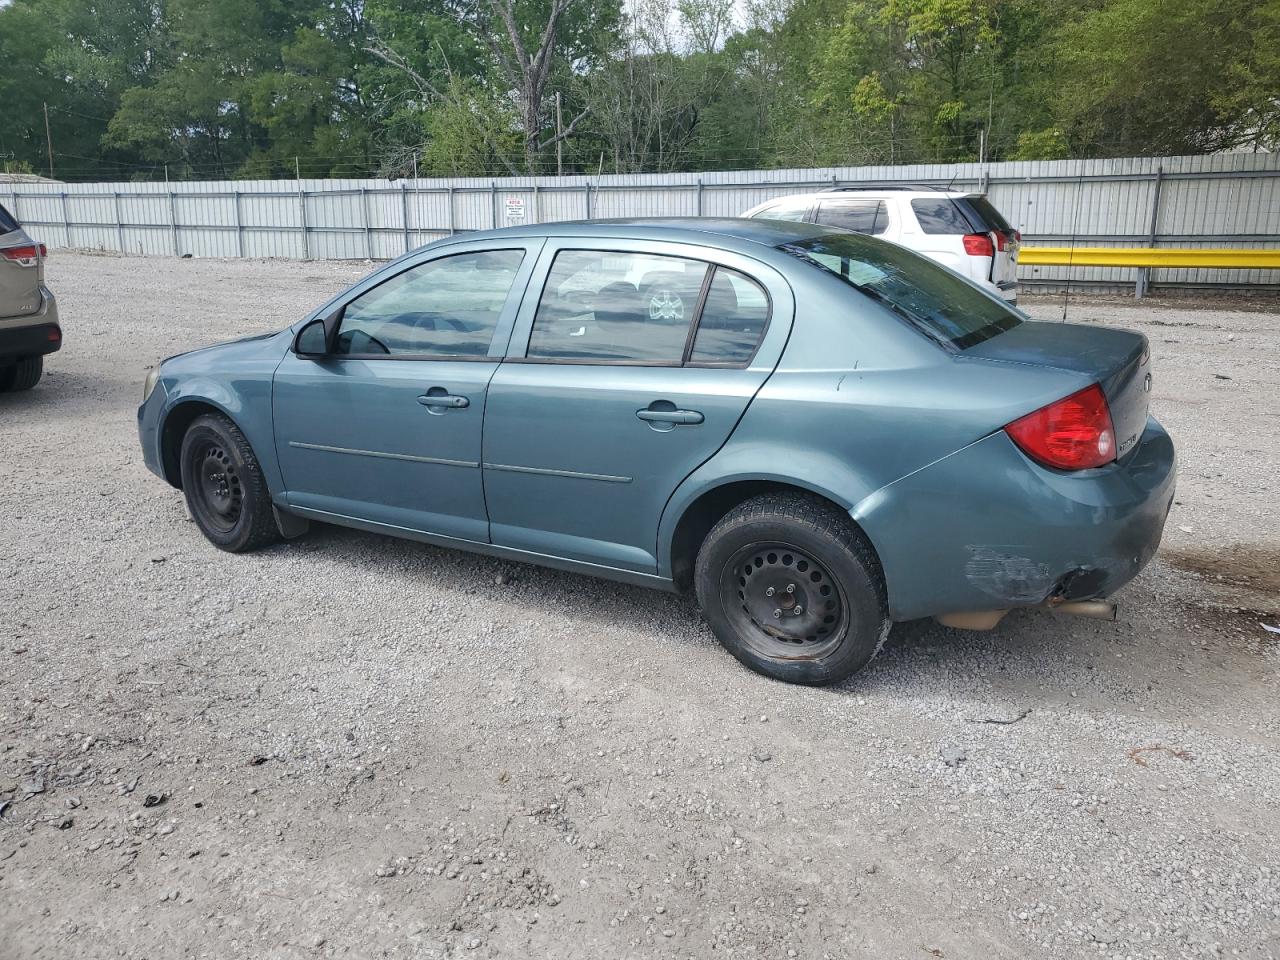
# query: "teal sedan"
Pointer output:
{"type": "Point", "coordinates": [817, 432]}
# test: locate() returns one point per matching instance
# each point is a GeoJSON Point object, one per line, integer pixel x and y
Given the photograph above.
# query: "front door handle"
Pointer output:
{"type": "Point", "coordinates": [670, 416]}
{"type": "Point", "coordinates": [442, 399]}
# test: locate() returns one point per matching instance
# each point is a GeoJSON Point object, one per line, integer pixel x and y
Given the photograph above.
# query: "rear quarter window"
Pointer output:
{"type": "Point", "coordinates": [794, 208]}
{"type": "Point", "coordinates": [940, 215]}
{"type": "Point", "coordinates": [8, 222]}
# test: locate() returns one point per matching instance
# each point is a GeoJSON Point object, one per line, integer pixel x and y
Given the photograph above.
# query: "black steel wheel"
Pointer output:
{"type": "Point", "coordinates": [782, 602]}
{"type": "Point", "coordinates": [218, 487]}
{"type": "Point", "coordinates": [793, 589]}
{"type": "Point", "coordinates": [223, 484]}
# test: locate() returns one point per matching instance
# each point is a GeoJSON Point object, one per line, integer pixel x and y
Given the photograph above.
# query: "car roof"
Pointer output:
{"type": "Point", "coordinates": [910, 193]}
{"type": "Point", "coordinates": [729, 231]}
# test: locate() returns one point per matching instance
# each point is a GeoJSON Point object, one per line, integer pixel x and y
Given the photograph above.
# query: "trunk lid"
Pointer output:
{"type": "Point", "coordinates": [19, 285]}
{"type": "Point", "coordinates": [1117, 360]}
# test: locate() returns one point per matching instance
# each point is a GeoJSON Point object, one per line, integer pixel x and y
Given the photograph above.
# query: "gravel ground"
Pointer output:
{"type": "Point", "coordinates": [356, 746]}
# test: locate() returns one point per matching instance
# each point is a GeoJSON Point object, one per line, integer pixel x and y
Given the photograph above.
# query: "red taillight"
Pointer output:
{"type": "Point", "coordinates": [27, 255]}
{"type": "Point", "coordinates": [978, 245]}
{"type": "Point", "coordinates": [1073, 433]}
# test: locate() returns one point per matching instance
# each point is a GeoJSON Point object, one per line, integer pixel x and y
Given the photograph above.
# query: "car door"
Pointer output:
{"type": "Point", "coordinates": [384, 425]}
{"type": "Point", "coordinates": [613, 392]}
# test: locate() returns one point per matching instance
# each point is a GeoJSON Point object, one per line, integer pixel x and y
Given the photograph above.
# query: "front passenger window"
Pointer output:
{"type": "Point", "coordinates": [444, 308]}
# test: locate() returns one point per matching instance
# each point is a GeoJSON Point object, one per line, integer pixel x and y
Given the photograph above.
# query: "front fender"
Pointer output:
{"type": "Point", "coordinates": [246, 402]}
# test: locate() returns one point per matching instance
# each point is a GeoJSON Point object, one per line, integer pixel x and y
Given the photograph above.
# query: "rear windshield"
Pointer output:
{"type": "Point", "coordinates": [7, 222]}
{"type": "Point", "coordinates": [927, 296]}
{"type": "Point", "coordinates": [987, 213]}
{"type": "Point", "coordinates": [955, 215]}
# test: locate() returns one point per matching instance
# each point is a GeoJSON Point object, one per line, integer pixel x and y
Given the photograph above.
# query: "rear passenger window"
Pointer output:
{"type": "Point", "coordinates": [733, 319]}
{"type": "Point", "coordinates": [7, 223]}
{"type": "Point", "coordinates": [444, 308]}
{"type": "Point", "coordinates": [607, 306]}
{"type": "Point", "coordinates": [860, 216]}
{"type": "Point", "coordinates": [940, 216]}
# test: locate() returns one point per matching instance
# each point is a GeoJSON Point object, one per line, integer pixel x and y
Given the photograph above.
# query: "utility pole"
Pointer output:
{"type": "Point", "coordinates": [559, 138]}
{"type": "Point", "coordinates": [48, 139]}
{"type": "Point", "coordinates": [982, 161]}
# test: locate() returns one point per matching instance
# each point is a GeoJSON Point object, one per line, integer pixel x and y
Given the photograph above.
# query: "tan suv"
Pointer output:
{"type": "Point", "coordinates": [28, 312]}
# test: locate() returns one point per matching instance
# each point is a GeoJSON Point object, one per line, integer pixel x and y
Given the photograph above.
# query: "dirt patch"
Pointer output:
{"type": "Point", "coordinates": [1255, 301]}
{"type": "Point", "coordinates": [1246, 566]}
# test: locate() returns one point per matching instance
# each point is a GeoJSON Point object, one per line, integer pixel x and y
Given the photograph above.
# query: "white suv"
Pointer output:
{"type": "Point", "coordinates": [962, 231]}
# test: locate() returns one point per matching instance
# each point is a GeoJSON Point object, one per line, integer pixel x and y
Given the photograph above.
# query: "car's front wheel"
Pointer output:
{"type": "Point", "coordinates": [224, 487]}
{"type": "Point", "coordinates": [792, 589]}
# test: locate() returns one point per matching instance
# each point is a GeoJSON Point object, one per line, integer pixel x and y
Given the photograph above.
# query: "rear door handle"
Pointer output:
{"type": "Point", "coordinates": [443, 400]}
{"type": "Point", "coordinates": [670, 416]}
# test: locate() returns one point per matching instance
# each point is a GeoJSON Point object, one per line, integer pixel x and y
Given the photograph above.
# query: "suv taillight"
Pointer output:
{"type": "Point", "coordinates": [978, 245]}
{"type": "Point", "coordinates": [1006, 240]}
{"type": "Point", "coordinates": [27, 255]}
{"type": "Point", "coordinates": [1073, 433]}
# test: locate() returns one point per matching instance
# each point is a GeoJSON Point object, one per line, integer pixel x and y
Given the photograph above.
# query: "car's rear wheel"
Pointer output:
{"type": "Point", "coordinates": [23, 375]}
{"type": "Point", "coordinates": [224, 487]}
{"type": "Point", "coordinates": [792, 589]}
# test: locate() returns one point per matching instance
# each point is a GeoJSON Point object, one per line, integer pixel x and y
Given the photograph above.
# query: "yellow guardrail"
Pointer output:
{"type": "Point", "coordinates": [1147, 257]}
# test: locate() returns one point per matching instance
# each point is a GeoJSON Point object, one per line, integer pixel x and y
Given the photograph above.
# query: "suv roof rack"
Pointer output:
{"type": "Point", "coordinates": [888, 186]}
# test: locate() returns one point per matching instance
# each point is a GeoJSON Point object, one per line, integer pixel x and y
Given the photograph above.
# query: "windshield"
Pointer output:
{"type": "Point", "coordinates": [928, 296]}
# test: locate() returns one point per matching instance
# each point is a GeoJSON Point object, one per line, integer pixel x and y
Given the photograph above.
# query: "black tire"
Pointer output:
{"type": "Point", "coordinates": [224, 486]}
{"type": "Point", "coordinates": [23, 375]}
{"type": "Point", "coordinates": [793, 589]}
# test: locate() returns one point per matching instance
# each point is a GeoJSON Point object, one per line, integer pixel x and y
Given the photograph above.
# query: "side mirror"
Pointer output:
{"type": "Point", "coordinates": [312, 341]}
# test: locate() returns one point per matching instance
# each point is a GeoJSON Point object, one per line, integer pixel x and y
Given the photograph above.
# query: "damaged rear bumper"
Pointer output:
{"type": "Point", "coordinates": [987, 529]}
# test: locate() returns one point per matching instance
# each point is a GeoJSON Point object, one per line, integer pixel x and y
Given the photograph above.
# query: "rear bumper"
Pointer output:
{"type": "Point", "coordinates": [31, 335]}
{"type": "Point", "coordinates": [29, 341]}
{"type": "Point", "coordinates": [988, 529]}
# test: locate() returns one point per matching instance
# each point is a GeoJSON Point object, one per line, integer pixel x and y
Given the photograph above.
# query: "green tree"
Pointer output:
{"type": "Point", "coordinates": [926, 79]}
{"type": "Point", "coordinates": [522, 49]}
{"type": "Point", "coordinates": [1179, 76]}
{"type": "Point", "coordinates": [80, 61]}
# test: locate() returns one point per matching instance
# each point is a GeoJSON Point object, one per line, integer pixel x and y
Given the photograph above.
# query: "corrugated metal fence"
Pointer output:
{"type": "Point", "coordinates": [1214, 201]}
